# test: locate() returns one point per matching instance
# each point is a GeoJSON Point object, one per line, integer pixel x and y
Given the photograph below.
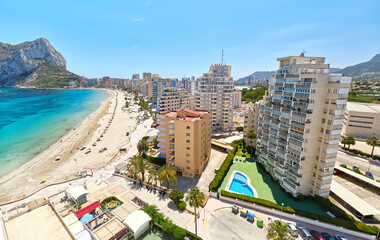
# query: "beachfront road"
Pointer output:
{"type": "Point", "coordinates": [362, 163]}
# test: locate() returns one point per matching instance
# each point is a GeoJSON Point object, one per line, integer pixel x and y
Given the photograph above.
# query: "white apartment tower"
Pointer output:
{"type": "Point", "coordinates": [214, 93]}
{"type": "Point", "coordinates": [174, 99]}
{"type": "Point", "coordinates": [300, 122]}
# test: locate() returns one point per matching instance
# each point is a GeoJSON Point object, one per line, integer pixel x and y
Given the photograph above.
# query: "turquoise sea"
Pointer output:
{"type": "Point", "coordinates": [31, 120]}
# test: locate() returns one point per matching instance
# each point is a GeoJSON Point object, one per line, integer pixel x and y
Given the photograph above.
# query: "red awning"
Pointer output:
{"type": "Point", "coordinates": [80, 213]}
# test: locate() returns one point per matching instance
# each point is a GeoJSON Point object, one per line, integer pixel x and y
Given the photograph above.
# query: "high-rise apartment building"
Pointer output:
{"type": "Point", "coordinates": [214, 93]}
{"type": "Point", "coordinates": [147, 75]}
{"type": "Point", "coordinates": [175, 98]}
{"type": "Point", "coordinates": [300, 122]}
{"type": "Point", "coordinates": [236, 99]}
{"type": "Point", "coordinates": [185, 139]}
{"type": "Point", "coordinates": [251, 118]}
{"type": "Point", "coordinates": [135, 76]}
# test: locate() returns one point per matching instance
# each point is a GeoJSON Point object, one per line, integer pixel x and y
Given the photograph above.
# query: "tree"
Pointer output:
{"type": "Point", "coordinates": [195, 198]}
{"type": "Point", "coordinates": [143, 165]}
{"type": "Point", "coordinates": [349, 140]}
{"type": "Point", "coordinates": [278, 230]}
{"type": "Point", "coordinates": [240, 129]}
{"type": "Point", "coordinates": [155, 142]}
{"type": "Point", "coordinates": [251, 134]}
{"type": "Point", "coordinates": [132, 167]}
{"type": "Point", "coordinates": [126, 104]}
{"type": "Point", "coordinates": [142, 147]}
{"type": "Point", "coordinates": [176, 195]}
{"type": "Point", "coordinates": [374, 142]}
{"type": "Point", "coordinates": [168, 175]}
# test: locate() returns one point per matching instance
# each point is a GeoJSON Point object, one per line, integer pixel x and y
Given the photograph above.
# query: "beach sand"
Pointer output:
{"type": "Point", "coordinates": [27, 178]}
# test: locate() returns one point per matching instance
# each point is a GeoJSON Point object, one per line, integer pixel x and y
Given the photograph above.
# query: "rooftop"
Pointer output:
{"type": "Point", "coordinates": [41, 223]}
{"type": "Point", "coordinates": [185, 114]}
{"type": "Point", "coordinates": [363, 107]}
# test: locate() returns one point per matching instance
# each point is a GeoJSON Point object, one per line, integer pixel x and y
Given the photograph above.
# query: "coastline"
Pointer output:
{"type": "Point", "coordinates": [26, 178]}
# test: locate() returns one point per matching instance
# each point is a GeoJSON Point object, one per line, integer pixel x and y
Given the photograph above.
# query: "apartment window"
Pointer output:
{"type": "Point", "coordinates": [171, 146]}
{"type": "Point", "coordinates": [187, 141]}
{"type": "Point", "coordinates": [187, 127]}
{"type": "Point", "coordinates": [191, 174]}
{"type": "Point", "coordinates": [186, 173]}
{"type": "Point", "coordinates": [323, 120]}
{"type": "Point", "coordinates": [188, 134]}
{"type": "Point", "coordinates": [322, 130]}
{"type": "Point", "coordinates": [187, 154]}
{"type": "Point", "coordinates": [187, 148]}
{"type": "Point", "coordinates": [187, 167]}
{"type": "Point", "coordinates": [188, 161]}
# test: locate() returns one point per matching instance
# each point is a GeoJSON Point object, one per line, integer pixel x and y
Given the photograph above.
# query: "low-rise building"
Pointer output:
{"type": "Point", "coordinates": [361, 120]}
{"type": "Point", "coordinates": [185, 139]}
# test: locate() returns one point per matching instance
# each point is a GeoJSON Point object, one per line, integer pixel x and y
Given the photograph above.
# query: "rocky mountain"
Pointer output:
{"type": "Point", "coordinates": [255, 77]}
{"type": "Point", "coordinates": [33, 64]}
{"type": "Point", "coordinates": [365, 71]}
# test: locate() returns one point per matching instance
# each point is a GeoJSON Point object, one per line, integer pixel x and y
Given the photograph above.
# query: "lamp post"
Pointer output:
{"type": "Point", "coordinates": [282, 205]}
{"type": "Point", "coordinates": [76, 164]}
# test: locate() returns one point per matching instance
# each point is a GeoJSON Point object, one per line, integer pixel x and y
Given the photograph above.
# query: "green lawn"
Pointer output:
{"type": "Point", "coordinates": [267, 189]}
{"type": "Point", "coordinates": [244, 155]}
{"type": "Point", "coordinates": [154, 234]}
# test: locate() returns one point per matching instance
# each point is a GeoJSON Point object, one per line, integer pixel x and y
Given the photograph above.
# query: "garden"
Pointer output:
{"type": "Point", "coordinates": [110, 203]}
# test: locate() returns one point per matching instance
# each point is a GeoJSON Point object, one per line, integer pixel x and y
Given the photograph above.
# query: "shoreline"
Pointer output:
{"type": "Point", "coordinates": [26, 178]}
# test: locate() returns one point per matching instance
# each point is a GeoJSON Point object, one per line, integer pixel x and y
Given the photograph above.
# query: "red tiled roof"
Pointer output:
{"type": "Point", "coordinates": [80, 213]}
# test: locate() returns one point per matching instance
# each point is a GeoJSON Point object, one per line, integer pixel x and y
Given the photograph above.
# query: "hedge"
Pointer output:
{"type": "Point", "coordinates": [156, 160]}
{"type": "Point", "coordinates": [361, 153]}
{"type": "Point", "coordinates": [222, 172]}
{"type": "Point", "coordinates": [103, 204]}
{"type": "Point", "coordinates": [345, 223]}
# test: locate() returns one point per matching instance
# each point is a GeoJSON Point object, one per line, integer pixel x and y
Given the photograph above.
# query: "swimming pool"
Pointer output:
{"type": "Point", "coordinates": [239, 183]}
{"type": "Point", "coordinates": [86, 218]}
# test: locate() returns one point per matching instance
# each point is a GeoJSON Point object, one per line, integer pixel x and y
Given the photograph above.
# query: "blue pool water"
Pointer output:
{"type": "Point", "coordinates": [239, 185]}
{"type": "Point", "coordinates": [31, 120]}
{"type": "Point", "coordinates": [86, 218]}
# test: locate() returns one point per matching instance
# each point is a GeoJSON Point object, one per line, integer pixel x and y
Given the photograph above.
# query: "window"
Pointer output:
{"type": "Point", "coordinates": [187, 167]}
{"type": "Point", "coordinates": [187, 148]}
{"type": "Point", "coordinates": [188, 134]}
{"type": "Point", "coordinates": [188, 161]}
{"type": "Point", "coordinates": [187, 154]}
{"type": "Point", "coordinates": [191, 174]}
{"type": "Point", "coordinates": [323, 120]}
{"type": "Point", "coordinates": [187, 127]}
{"type": "Point", "coordinates": [187, 141]}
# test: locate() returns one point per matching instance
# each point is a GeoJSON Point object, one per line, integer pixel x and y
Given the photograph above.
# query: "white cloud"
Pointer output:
{"type": "Point", "coordinates": [138, 19]}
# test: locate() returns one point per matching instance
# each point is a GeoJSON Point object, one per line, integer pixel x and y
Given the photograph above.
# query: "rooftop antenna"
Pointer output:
{"type": "Point", "coordinates": [222, 56]}
{"type": "Point", "coordinates": [303, 53]}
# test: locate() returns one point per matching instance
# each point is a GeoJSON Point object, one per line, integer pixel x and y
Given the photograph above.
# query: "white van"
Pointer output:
{"type": "Point", "coordinates": [293, 230]}
{"type": "Point", "coordinates": [304, 233]}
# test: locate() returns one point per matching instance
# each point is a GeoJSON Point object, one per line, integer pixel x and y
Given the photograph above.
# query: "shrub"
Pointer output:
{"type": "Point", "coordinates": [300, 197]}
{"type": "Point", "coordinates": [182, 206]}
{"type": "Point", "coordinates": [348, 224]}
{"type": "Point", "coordinates": [244, 150]}
{"type": "Point", "coordinates": [222, 170]}
{"type": "Point", "coordinates": [343, 165]}
{"type": "Point", "coordinates": [176, 196]}
{"type": "Point", "coordinates": [357, 171]}
{"type": "Point", "coordinates": [376, 157]}
{"type": "Point", "coordinates": [179, 233]}
{"type": "Point", "coordinates": [104, 203]}
{"type": "Point", "coordinates": [156, 160]}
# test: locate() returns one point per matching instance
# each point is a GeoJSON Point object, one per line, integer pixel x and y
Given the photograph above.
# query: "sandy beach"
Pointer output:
{"type": "Point", "coordinates": [27, 178]}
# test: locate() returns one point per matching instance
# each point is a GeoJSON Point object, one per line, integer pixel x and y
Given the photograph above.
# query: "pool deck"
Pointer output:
{"type": "Point", "coordinates": [248, 183]}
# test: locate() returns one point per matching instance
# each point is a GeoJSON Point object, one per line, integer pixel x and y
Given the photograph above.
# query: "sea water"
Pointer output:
{"type": "Point", "coordinates": [31, 120]}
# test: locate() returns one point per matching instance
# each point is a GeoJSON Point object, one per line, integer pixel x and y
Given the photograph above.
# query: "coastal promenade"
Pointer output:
{"type": "Point", "coordinates": [108, 124]}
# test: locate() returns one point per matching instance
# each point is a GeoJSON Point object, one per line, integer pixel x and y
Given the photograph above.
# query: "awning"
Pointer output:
{"type": "Point", "coordinates": [250, 215]}
{"type": "Point", "coordinates": [80, 213]}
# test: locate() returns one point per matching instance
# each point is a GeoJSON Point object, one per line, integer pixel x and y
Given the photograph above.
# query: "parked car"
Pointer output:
{"type": "Point", "coordinates": [327, 236]}
{"type": "Point", "coordinates": [337, 171]}
{"type": "Point", "coordinates": [304, 233]}
{"type": "Point", "coordinates": [369, 174]}
{"type": "Point", "coordinates": [318, 236]}
{"type": "Point", "coordinates": [358, 215]}
{"type": "Point", "coordinates": [293, 230]}
{"type": "Point", "coordinates": [340, 237]}
{"type": "Point", "coordinates": [355, 167]}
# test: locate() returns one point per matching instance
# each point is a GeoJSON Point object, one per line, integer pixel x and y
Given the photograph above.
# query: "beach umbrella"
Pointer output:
{"type": "Point", "coordinates": [43, 180]}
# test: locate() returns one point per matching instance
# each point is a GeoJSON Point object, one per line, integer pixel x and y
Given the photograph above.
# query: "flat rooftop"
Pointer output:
{"type": "Point", "coordinates": [41, 223]}
{"type": "Point", "coordinates": [363, 107]}
{"type": "Point", "coordinates": [354, 201]}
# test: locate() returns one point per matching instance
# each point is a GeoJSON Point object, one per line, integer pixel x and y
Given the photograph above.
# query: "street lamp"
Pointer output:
{"type": "Point", "coordinates": [282, 205]}
{"type": "Point", "coordinates": [76, 163]}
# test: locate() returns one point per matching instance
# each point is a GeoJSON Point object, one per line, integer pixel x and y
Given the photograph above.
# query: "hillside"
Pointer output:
{"type": "Point", "coordinates": [364, 71]}
{"type": "Point", "coordinates": [255, 77]}
{"type": "Point", "coordinates": [33, 64]}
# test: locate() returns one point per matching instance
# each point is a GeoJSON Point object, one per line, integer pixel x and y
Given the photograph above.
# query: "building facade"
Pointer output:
{"type": "Point", "coordinates": [299, 124]}
{"type": "Point", "coordinates": [175, 98]}
{"type": "Point", "coordinates": [250, 122]}
{"type": "Point", "coordinates": [214, 94]}
{"type": "Point", "coordinates": [185, 139]}
{"type": "Point", "coordinates": [361, 120]}
{"type": "Point", "coordinates": [236, 99]}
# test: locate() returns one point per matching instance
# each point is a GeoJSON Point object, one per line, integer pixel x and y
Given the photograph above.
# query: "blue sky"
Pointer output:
{"type": "Point", "coordinates": [182, 38]}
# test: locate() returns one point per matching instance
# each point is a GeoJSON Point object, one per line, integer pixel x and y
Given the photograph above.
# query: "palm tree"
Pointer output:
{"type": "Point", "coordinates": [143, 147]}
{"type": "Point", "coordinates": [143, 165]}
{"type": "Point", "coordinates": [374, 142]}
{"type": "Point", "coordinates": [350, 140]}
{"type": "Point", "coordinates": [168, 176]}
{"type": "Point", "coordinates": [195, 199]}
{"type": "Point", "coordinates": [278, 230]}
{"type": "Point", "coordinates": [251, 135]}
{"type": "Point", "coordinates": [132, 169]}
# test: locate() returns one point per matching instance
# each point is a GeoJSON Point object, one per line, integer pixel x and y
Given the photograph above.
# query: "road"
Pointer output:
{"type": "Point", "coordinates": [362, 163]}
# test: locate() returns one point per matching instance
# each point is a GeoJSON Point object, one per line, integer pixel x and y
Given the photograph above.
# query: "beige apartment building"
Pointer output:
{"type": "Point", "coordinates": [361, 120]}
{"type": "Point", "coordinates": [214, 93]}
{"type": "Point", "coordinates": [236, 99]}
{"type": "Point", "coordinates": [250, 122]}
{"type": "Point", "coordinates": [300, 123]}
{"type": "Point", "coordinates": [175, 98]}
{"type": "Point", "coordinates": [185, 139]}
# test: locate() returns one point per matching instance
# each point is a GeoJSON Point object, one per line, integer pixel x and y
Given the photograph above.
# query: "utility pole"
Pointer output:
{"type": "Point", "coordinates": [222, 56]}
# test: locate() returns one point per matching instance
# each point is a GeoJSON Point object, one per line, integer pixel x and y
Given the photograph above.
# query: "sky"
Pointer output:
{"type": "Point", "coordinates": [180, 38]}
